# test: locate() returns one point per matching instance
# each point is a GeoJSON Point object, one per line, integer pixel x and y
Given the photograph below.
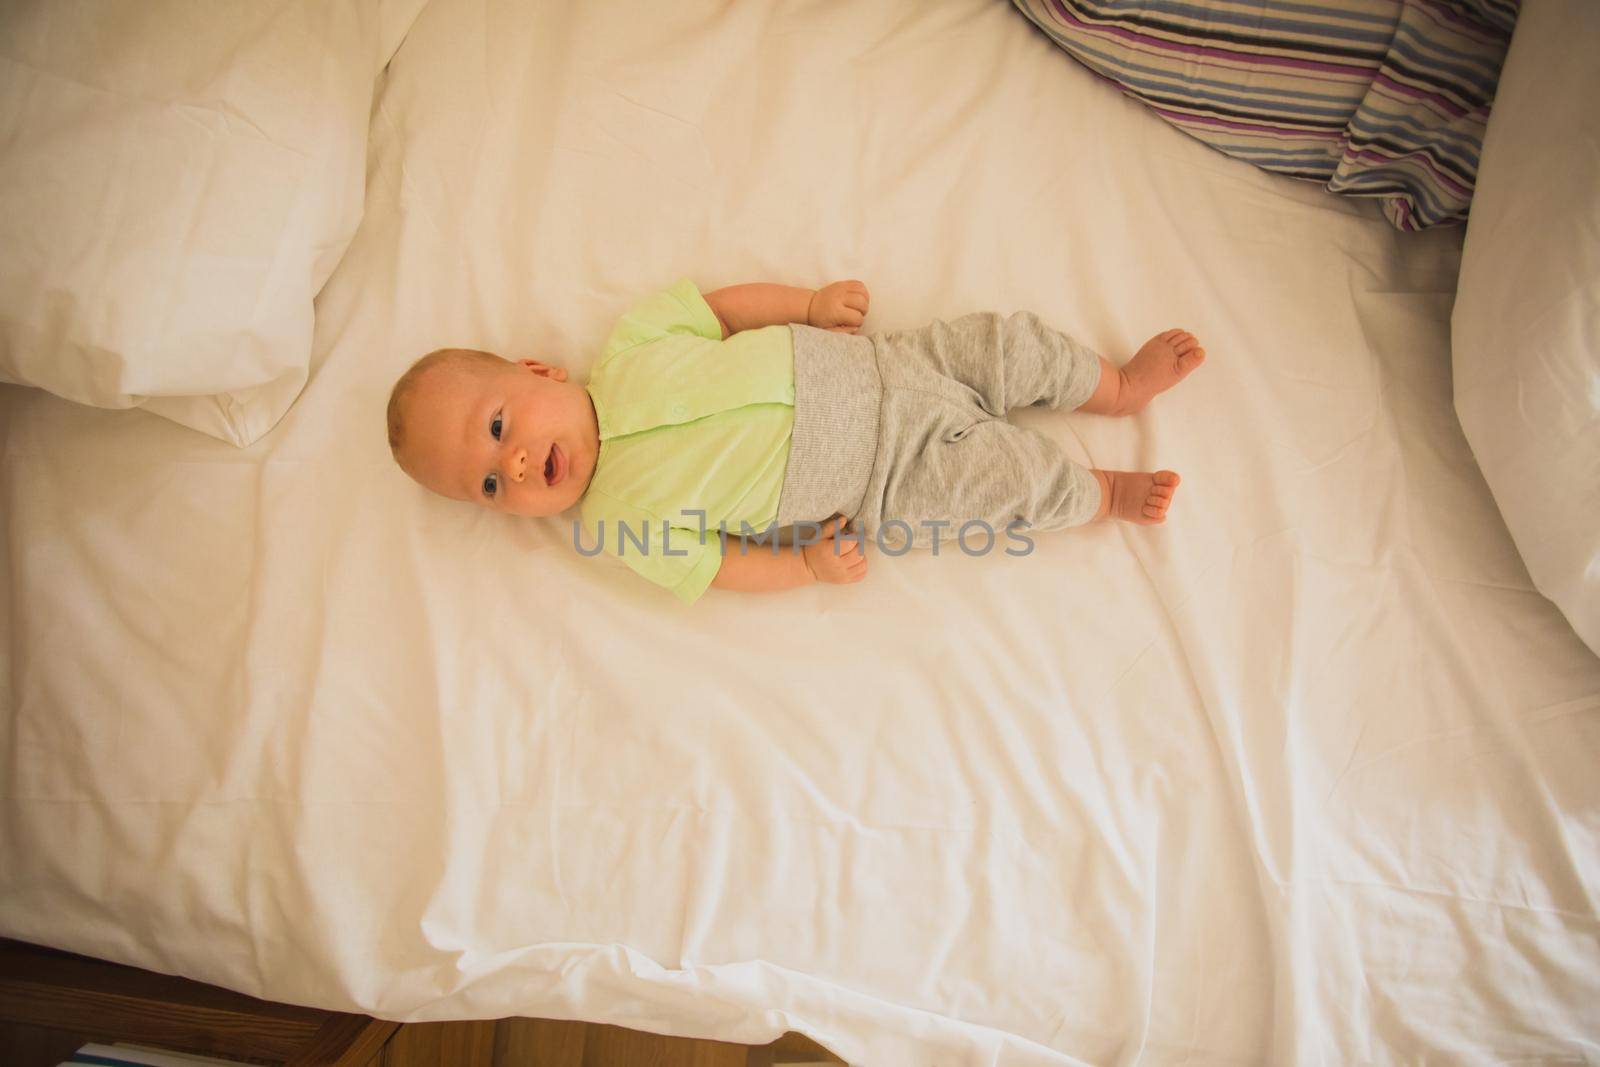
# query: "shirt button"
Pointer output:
{"type": "Point", "coordinates": [679, 411]}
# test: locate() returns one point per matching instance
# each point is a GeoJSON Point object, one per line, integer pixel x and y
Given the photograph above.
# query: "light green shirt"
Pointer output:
{"type": "Point", "coordinates": [688, 422]}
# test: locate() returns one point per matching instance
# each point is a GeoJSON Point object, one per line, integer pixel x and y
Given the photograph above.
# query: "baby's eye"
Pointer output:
{"type": "Point", "coordinates": [490, 482]}
{"type": "Point", "coordinates": [494, 427]}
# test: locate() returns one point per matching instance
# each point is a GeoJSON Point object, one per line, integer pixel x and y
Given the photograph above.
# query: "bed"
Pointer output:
{"type": "Point", "coordinates": [1305, 776]}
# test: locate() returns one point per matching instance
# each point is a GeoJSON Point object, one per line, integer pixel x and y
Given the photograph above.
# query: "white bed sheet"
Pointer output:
{"type": "Point", "coordinates": [1306, 776]}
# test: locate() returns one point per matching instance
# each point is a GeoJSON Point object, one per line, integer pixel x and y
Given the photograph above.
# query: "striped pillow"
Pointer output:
{"type": "Point", "coordinates": [1384, 98]}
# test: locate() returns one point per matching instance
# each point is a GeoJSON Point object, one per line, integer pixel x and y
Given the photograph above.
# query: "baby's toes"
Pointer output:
{"type": "Point", "coordinates": [1167, 478]}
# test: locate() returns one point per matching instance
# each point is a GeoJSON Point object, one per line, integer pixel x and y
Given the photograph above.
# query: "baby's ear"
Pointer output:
{"type": "Point", "coordinates": [544, 370]}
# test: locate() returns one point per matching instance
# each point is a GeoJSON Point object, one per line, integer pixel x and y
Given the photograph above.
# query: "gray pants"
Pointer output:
{"type": "Point", "coordinates": [910, 426]}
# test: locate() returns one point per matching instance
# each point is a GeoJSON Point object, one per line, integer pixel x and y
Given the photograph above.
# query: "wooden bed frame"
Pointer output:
{"type": "Point", "coordinates": [52, 1003]}
{"type": "Point", "coordinates": [91, 1000]}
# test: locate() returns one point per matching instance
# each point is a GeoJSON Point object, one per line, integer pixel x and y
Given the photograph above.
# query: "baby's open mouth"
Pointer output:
{"type": "Point", "coordinates": [554, 467]}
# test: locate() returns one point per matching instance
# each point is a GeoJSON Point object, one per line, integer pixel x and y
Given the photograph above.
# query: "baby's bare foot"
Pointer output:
{"type": "Point", "coordinates": [1136, 496]}
{"type": "Point", "coordinates": [1164, 361]}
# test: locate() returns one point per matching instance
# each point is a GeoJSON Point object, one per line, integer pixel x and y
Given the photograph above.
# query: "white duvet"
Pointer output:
{"type": "Point", "coordinates": [1305, 776]}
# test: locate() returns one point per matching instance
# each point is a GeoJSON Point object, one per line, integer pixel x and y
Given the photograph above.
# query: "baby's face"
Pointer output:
{"type": "Point", "coordinates": [517, 438]}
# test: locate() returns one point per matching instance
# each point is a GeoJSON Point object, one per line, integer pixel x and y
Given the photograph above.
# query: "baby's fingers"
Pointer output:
{"type": "Point", "coordinates": [843, 569]}
{"type": "Point", "coordinates": [856, 571]}
{"type": "Point", "coordinates": [846, 320]}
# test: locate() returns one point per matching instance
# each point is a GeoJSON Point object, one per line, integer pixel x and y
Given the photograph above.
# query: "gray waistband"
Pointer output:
{"type": "Point", "coordinates": [837, 394]}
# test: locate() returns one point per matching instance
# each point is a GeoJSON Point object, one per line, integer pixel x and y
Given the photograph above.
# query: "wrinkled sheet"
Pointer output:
{"type": "Point", "coordinates": [1305, 776]}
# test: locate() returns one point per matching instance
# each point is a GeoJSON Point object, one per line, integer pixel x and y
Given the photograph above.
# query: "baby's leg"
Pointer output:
{"type": "Point", "coordinates": [952, 472]}
{"type": "Point", "coordinates": [1135, 496]}
{"type": "Point", "coordinates": [939, 462]}
{"type": "Point", "coordinates": [1005, 362]}
{"type": "Point", "coordinates": [1164, 361]}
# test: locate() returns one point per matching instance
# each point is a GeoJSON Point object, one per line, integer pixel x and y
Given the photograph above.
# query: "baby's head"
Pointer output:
{"type": "Point", "coordinates": [515, 437]}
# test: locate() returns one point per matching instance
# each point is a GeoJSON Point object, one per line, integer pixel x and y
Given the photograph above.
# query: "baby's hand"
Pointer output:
{"type": "Point", "coordinates": [834, 560]}
{"type": "Point", "coordinates": [839, 307]}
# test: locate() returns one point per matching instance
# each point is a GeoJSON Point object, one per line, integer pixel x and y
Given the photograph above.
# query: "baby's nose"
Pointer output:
{"type": "Point", "coordinates": [519, 465]}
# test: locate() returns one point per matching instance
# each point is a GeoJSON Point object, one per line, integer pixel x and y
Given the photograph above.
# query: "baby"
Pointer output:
{"type": "Point", "coordinates": [758, 407]}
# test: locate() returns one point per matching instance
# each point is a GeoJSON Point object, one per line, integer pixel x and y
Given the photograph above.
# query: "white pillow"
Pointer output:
{"type": "Point", "coordinates": [1525, 334]}
{"type": "Point", "coordinates": [179, 179]}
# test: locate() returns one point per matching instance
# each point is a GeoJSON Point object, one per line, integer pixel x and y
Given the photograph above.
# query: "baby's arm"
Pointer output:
{"type": "Point", "coordinates": [760, 570]}
{"type": "Point", "coordinates": [840, 306]}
